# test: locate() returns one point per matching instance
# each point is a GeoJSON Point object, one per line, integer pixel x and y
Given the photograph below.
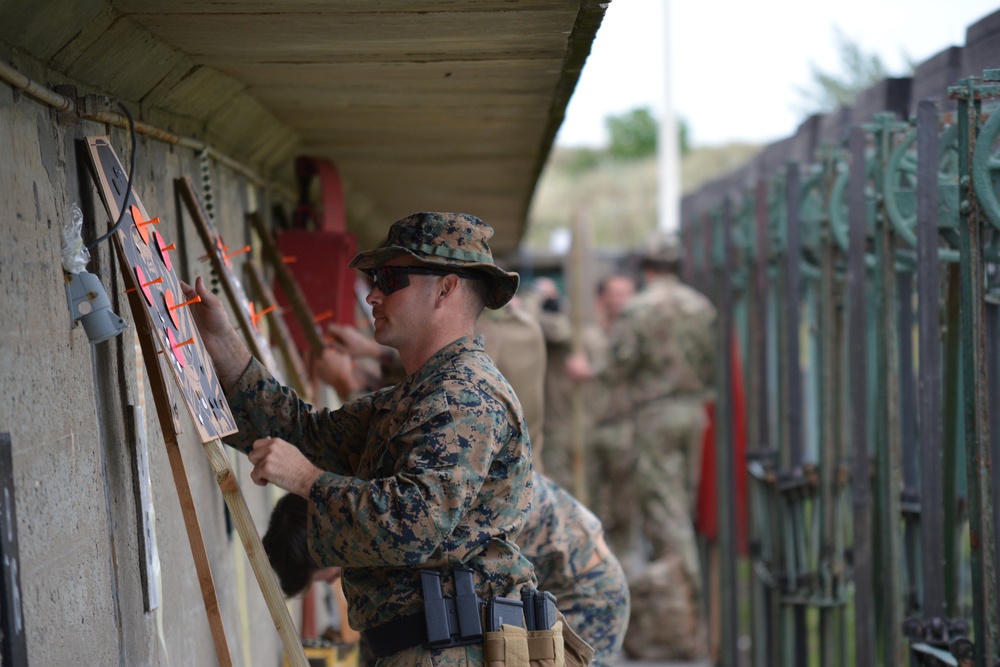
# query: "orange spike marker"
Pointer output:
{"type": "Point", "coordinates": [175, 347]}
{"type": "Point", "coordinates": [325, 315]}
{"type": "Point", "coordinates": [242, 250]}
{"type": "Point", "coordinates": [141, 223]}
{"type": "Point", "coordinates": [289, 259]}
{"type": "Point", "coordinates": [255, 316]}
{"type": "Point", "coordinates": [197, 299]}
{"type": "Point", "coordinates": [144, 284]}
{"type": "Point", "coordinates": [164, 249]}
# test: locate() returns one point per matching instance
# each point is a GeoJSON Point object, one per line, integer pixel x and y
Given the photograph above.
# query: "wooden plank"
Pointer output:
{"type": "Point", "coordinates": [13, 643]}
{"type": "Point", "coordinates": [250, 539]}
{"type": "Point", "coordinates": [294, 366]}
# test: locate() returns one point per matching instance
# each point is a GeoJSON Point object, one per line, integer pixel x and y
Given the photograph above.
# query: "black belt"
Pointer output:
{"type": "Point", "coordinates": [402, 633]}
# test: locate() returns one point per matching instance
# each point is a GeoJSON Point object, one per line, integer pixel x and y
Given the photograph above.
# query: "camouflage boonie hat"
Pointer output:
{"type": "Point", "coordinates": [457, 240]}
{"type": "Point", "coordinates": [662, 248]}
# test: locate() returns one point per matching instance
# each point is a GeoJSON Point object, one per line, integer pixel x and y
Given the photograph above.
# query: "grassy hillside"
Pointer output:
{"type": "Point", "coordinates": [618, 197]}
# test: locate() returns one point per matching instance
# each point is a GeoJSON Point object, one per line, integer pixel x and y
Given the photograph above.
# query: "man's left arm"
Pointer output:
{"type": "Point", "coordinates": [404, 518]}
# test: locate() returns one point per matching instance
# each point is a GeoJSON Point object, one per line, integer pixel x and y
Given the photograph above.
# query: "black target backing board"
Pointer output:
{"type": "Point", "coordinates": [143, 249]}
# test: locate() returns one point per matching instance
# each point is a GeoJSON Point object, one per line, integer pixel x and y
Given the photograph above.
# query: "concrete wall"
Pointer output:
{"type": "Point", "coordinates": [66, 403]}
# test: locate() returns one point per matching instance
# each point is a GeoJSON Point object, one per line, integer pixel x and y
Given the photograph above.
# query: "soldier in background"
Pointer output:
{"type": "Point", "coordinates": [663, 347]}
{"type": "Point", "coordinates": [611, 457]}
{"type": "Point", "coordinates": [545, 303]}
{"type": "Point", "coordinates": [561, 538]}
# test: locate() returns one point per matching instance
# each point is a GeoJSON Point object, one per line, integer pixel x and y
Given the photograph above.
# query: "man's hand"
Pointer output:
{"type": "Point", "coordinates": [283, 465]}
{"type": "Point", "coordinates": [351, 341]}
{"type": "Point", "coordinates": [337, 370]}
{"type": "Point", "coordinates": [228, 351]}
{"type": "Point", "coordinates": [578, 368]}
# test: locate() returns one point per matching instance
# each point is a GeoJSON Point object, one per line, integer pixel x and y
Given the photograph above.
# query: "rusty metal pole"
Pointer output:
{"type": "Point", "coordinates": [857, 328]}
{"type": "Point", "coordinates": [976, 408]}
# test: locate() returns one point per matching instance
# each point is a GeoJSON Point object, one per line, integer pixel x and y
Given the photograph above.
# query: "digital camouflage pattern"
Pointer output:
{"type": "Point", "coordinates": [458, 240]}
{"type": "Point", "coordinates": [433, 472]}
{"type": "Point", "coordinates": [560, 539]}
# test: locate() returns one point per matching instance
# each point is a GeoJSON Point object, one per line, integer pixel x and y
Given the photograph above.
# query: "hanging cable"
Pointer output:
{"type": "Point", "coordinates": [128, 188]}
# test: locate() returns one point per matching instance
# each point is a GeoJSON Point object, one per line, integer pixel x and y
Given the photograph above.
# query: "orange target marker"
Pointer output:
{"type": "Point", "coordinates": [255, 316]}
{"type": "Point", "coordinates": [144, 284]}
{"type": "Point", "coordinates": [141, 223]}
{"type": "Point", "coordinates": [325, 315]}
{"type": "Point", "coordinates": [175, 347]}
{"type": "Point", "coordinates": [164, 249]}
{"type": "Point", "coordinates": [172, 307]}
{"type": "Point", "coordinates": [237, 252]}
{"type": "Point", "coordinates": [289, 259]}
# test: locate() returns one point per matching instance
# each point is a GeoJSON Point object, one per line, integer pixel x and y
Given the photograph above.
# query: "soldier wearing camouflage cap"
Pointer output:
{"type": "Point", "coordinates": [661, 348]}
{"type": "Point", "coordinates": [434, 472]}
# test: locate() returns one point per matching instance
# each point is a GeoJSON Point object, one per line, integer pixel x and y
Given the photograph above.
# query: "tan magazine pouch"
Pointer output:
{"type": "Point", "coordinates": [507, 647]}
{"type": "Point", "coordinates": [578, 652]}
{"type": "Point", "coordinates": [545, 647]}
{"type": "Point", "coordinates": [558, 646]}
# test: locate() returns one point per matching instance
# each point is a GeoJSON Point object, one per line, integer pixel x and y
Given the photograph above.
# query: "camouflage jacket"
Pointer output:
{"type": "Point", "coordinates": [433, 472]}
{"type": "Point", "coordinates": [663, 343]}
{"type": "Point", "coordinates": [559, 536]}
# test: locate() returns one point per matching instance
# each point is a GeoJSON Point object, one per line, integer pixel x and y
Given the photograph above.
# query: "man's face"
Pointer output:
{"type": "Point", "coordinates": [405, 313]}
{"type": "Point", "coordinates": [617, 292]}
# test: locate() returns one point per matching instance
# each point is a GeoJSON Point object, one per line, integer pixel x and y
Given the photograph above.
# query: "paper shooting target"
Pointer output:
{"type": "Point", "coordinates": [172, 327]}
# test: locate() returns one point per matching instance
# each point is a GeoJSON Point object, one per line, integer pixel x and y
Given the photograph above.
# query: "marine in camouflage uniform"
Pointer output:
{"type": "Point", "coordinates": [663, 344]}
{"type": "Point", "coordinates": [563, 540]}
{"type": "Point", "coordinates": [434, 472]}
{"type": "Point", "coordinates": [565, 544]}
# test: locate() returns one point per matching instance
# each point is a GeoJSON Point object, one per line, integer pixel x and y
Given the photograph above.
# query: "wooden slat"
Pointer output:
{"type": "Point", "coordinates": [294, 366]}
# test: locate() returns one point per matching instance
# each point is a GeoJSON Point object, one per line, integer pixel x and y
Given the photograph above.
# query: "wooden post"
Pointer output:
{"type": "Point", "coordinates": [255, 552]}
{"type": "Point", "coordinates": [577, 297]}
{"type": "Point", "coordinates": [294, 366]}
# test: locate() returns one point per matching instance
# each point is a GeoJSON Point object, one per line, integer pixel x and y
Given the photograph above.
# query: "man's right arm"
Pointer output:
{"type": "Point", "coordinates": [228, 351]}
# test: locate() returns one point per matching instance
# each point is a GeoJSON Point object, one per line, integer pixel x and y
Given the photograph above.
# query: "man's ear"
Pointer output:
{"type": "Point", "coordinates": [449, 285]}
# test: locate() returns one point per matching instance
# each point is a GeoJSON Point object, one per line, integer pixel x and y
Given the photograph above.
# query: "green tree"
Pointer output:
{"type": "Point", "coordinates": [829, 91]}
{"type": "Point", "coordinates": [633, 134]}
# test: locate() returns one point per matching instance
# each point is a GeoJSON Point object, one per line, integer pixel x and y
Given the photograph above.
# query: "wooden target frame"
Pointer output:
{"type": "Point", "coordinates": [165, 328]}
{"type": "Point", "coordinates": [220, 255]}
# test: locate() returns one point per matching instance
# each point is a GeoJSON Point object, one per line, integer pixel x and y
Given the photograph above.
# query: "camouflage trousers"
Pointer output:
{"type": "Point", "coordinates": [611, 471]}
{"type": "Point", "coordinates": [667, 440]}
{"type": "Point", "coordinates": [418, 656]}
{"type": "Point", "coordinates": [598, 610]}
{"type": "Point", "coordinates": [666, 623]}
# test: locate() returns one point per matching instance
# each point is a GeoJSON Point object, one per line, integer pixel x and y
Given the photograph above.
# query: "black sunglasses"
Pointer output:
{"type": "Point", "coordinates": [391, 279]}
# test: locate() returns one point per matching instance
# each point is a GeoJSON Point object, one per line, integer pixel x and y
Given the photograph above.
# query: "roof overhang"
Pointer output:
{"type": "Point", "coordinates": [422, 105]}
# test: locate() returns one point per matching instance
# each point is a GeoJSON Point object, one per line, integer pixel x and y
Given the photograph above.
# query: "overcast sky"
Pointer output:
{"type": "Point", "coordinates": [737, 64]}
